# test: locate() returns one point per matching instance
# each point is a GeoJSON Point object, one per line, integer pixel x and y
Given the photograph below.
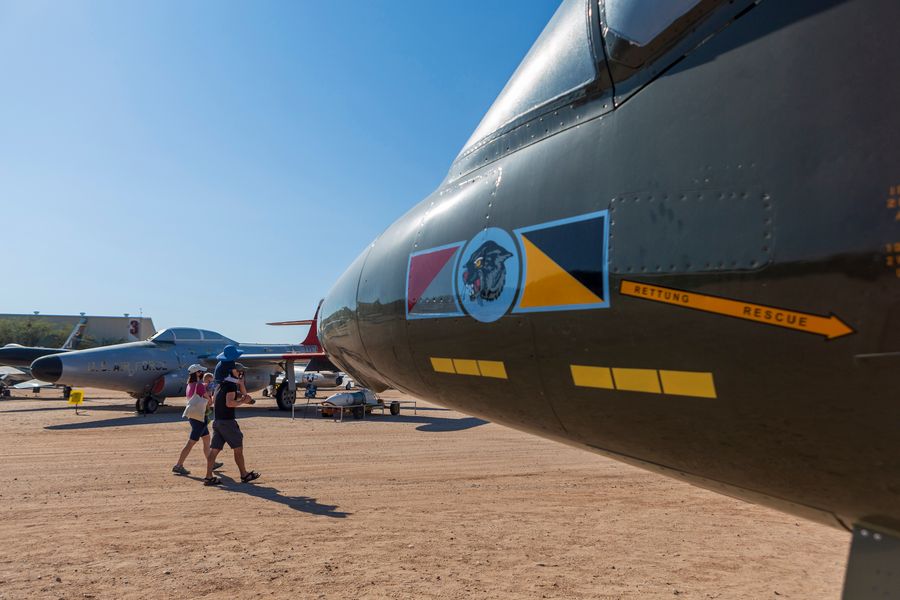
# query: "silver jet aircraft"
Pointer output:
{"type": "Point", "coordinates": [156, 369]}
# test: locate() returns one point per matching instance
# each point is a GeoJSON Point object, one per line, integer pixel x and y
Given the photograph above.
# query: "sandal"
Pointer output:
{"type": "Point", "coordinates": [211, 481]}
{"type": "Point", "coordinates": [218, 465]}
{"type": "Point", "coordinates": [250, 477]}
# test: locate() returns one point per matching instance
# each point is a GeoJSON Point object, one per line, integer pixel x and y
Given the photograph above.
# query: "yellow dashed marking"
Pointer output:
{"type": "Point", "coordinates": [443, 365]}
{"type": "Point", "coordinates": [469, 366]}
{"type": "Point", "coordinates": [637, 380]}
{"type": "Point", "coordinates": [651, 381]}
{"type": "Point", "coordinates": [492, 368]}
{"type": "Point", "coordinates": [596, 377]}
{"type": "Point", "coordinates": [688, 383]}
{"type": "Point", "coordinates": [696, 384]}
{"type": "Point", "coordinates": [465, 366]}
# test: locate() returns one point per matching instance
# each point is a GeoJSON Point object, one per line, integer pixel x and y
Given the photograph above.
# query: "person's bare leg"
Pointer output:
{"type": "Point", "coordinates": [184, 453]}
{"type": "Point", "coordinates": [205, 440]}
{"type": "Point", "coordinates": [239, 460]}
{"type": "Point", "coordinates": [210, 461]}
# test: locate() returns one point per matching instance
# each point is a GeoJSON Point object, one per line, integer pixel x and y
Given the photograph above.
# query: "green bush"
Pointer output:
{"type": "Point", "coordinates": [32, 332]}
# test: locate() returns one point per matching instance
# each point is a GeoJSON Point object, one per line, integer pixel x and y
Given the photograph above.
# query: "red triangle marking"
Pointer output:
{"type": "Point", "coordinates": [423, 268]}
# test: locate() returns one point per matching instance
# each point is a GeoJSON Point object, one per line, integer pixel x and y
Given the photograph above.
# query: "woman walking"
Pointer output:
{"type": "Point", "coordinates": [199, 427]}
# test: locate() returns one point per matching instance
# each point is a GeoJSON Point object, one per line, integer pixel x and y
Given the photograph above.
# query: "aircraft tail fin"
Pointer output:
{"type": "Point", "coordinates": [312, 337]}
{"type": "Point", "coordinates": [74, 338]}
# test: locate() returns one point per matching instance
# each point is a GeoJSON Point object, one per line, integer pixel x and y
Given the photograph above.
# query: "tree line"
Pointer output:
{"type": "Point", "coordinates": [39, 332]}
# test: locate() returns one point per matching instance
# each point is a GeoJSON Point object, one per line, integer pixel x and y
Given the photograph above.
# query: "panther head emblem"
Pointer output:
{"type": "Point", "coordinates": [484, 274]}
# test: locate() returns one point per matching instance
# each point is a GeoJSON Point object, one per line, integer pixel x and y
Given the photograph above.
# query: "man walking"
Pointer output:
{"type": "Point", "coordinates": [225, 366]}
{"type": "Point", "coordinates": [225, 426]}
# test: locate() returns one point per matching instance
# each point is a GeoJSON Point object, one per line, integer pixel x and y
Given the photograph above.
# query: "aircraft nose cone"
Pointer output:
{"type": "Point", "coordinates": [47, 368]}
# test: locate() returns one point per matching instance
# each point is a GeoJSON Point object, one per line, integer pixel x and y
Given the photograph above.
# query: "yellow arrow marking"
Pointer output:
{"type": "Point", "coordinates": [831, 327]}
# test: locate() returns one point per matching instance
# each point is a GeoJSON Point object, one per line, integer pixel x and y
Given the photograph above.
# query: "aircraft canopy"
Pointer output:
{"type": "Point", "coordinates": [187, 334]}
{"type": "Point", "coordinates": [563, 60]}
{"type": "Point", "coordinates": [559, 62]}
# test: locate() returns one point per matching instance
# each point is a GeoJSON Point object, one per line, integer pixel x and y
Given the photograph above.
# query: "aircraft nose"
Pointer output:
{"type": "Point", "coordinates": [339, 328]}
{"type": "Point", "coordinates": [47, 368]}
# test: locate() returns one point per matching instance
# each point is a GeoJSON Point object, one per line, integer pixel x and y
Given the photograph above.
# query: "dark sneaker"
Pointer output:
{"type": "Point", "coordinates": [179, 470]}
{"type": "Point", "coordinates": [218, 465]}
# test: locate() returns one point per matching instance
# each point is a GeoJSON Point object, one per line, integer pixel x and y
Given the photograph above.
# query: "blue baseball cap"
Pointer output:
{"type": "Point", "coordinates": [230, 352]}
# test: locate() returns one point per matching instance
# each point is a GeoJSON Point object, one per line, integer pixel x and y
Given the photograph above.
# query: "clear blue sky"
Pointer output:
{"type": "Point", "coordinates": [219, 164]}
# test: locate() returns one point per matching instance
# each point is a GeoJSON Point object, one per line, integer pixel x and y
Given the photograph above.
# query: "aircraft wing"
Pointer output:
{"type": "Point", "coordinates": [11, 371]}
{"type": "Point", "coordinates": [32, 384]}
{"type": "Point", "coordinates": [10, 375]}
{"type": "Point", "coordinates": [272, 358]}
{"type": "Point", "coordinates": [318, 361]}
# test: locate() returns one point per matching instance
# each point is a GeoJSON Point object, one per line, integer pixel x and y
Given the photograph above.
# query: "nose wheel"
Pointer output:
{"type": "Point", "coordinates": [146, 405]}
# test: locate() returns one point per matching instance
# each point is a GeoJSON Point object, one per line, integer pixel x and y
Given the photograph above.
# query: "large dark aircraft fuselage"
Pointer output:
{"type": "Point", "coordinates": [691, 263]}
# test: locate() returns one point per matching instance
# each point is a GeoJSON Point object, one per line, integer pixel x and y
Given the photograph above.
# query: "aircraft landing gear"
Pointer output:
{"type": "Point", "coordinates": [4, 391]}
{"type": "Point", "coordinates": [395, 408]}
{"type": "Point", "coordinates": [150, 405]}
{"type": "Point", "coordinates": [146, 405]}
{"type": "Point", "coordinates": [67, 391]}
{"type": "Point", "coordinates": [284, 397]}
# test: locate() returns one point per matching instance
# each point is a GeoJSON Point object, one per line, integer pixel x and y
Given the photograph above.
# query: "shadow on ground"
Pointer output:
{"type": "Point", "coordinates": [428, 423]}
{"type": "Point", "coordinates": [170, 414]}
{"type": "Point", "coordinates": [434, 424]}
{"type": "Point", "coordinates": [49, 399]}
{"type": "Point", "coordinates": [299, 503]}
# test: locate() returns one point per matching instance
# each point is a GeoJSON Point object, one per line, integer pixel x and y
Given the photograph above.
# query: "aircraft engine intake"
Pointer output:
{"type": "Point", "coordinates": [169, 385]}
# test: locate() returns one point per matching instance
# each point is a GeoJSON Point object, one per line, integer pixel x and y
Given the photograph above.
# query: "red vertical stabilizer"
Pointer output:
{"type": "Point", "coordinates": [312, 336]}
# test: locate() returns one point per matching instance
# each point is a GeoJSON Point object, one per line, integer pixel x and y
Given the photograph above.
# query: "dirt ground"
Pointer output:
{"type": "Point", "coordinates": [433, 505]}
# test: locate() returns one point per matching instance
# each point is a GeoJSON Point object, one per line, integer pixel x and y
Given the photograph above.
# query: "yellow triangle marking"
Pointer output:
{"type": "Point", "coordinates": [548, 284]}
